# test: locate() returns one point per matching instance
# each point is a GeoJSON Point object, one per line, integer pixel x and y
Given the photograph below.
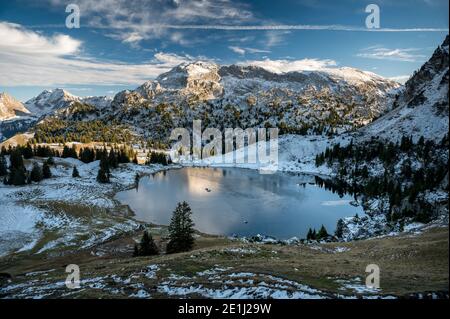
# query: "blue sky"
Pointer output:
{"type": "Point", "coordinates": [122, 43]}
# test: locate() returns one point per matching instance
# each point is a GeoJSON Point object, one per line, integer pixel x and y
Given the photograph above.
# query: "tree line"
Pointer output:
{"type": "Point", "coordinates": [16, 174]}
{"type": "Point", "coordinates": [409, 169]}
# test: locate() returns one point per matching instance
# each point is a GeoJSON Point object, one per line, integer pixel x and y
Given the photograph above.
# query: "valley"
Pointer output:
{"type": "Point", "coordinates": [343, 128]}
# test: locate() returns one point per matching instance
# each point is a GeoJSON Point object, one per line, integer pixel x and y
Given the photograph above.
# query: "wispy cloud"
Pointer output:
{"type": "Point", "coordinates": [237, 50]}
{"type": "Point", "coordinates": [132, 21]}
{"type": "Point", "coordinates": [243, 51]}
{"type": "Point", "coordinates": [286, 27]}
{"type": "Point", "coordinates": [381, 53]}
{"type": "Point", "coordinates": [29, 58]}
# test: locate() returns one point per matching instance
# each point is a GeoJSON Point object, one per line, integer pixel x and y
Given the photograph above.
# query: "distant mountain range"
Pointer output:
{"type": "Point", "coordinates": [233, 96]}
{"type": "Point", "coordinates": [329, 101]}
{"type": "Point", "coordinates": [18, 117]}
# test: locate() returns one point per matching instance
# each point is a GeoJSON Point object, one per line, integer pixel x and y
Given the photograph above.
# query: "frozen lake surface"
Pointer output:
{"type": "Point", "coordinates": [232, 201]}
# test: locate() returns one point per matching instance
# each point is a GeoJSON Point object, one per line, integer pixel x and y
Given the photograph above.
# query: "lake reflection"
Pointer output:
{"type": "Point", "coordinates": [232, 201]}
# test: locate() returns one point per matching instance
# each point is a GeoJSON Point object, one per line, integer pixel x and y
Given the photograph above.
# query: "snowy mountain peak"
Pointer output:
{"type": "Point", "coordinates": [49, 101]}
{"type": "Point", "coordinates": [185, 75]}
{"type": "Point", "coordinates": [11, 108]}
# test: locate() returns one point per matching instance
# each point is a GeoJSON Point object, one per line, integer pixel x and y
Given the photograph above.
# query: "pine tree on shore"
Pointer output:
{"type": "Point", "coordinates": [147, 246]}
{"type": "Point", "coordinates": [181, 230]}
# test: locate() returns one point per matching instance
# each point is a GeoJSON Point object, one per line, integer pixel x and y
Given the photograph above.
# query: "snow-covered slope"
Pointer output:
{"type": "Point", "coordinates": [10, 108]}
{"type": "Point", "coordinates": [422, 109]}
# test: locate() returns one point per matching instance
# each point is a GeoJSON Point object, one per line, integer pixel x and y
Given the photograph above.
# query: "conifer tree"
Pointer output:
{"type": "Point", "coordinates": [322, 233]}
{"type": "Point", "coordinates": [17, 177]}
{"type": "Point", "coordinates": [16, 159]}
{"type": "Point", "coordinates": [18, 173]}
{"type": "Point", "coordinates": [339, 229]}
{"type": "Point", "coordinates": [181, 230]}
{"type": "Point", "coordinates": [309, 235]}
{"type": "Point", "coordinates": [3, 166]}
{"type": "Point", "coordinates": [147, 246]}
{"type": "Point", "coordinates": [314, 234]}
{"type": "Point", "coordinates": [46, 172]}
{"type": "Point", "coordinates": [36, 174]}
{"type": "Point", "coordinates": [136, 250]}
{"type": "Point", "coordinates": [112, 159]}
{"type": "Point", "coordinates": [27, 151]}
{"type": "Point", "coordinates": [50, 161]}
{"type": "Point", "coordinates": [102, 176]}
{"type": "Point", "coordinates": [75, 172]}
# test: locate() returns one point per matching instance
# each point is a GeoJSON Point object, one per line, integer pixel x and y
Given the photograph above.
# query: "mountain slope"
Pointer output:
{"type": "Point", "coordinates": [398, 165]}
{"type": "Point", "coordinates": [326, 101]}
{"type": "Point", "coordinates": [422, 109]}
{"type": "Point", "coordinates": [11, 108]}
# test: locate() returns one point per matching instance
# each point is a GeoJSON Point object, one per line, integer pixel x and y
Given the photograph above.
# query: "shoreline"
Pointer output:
{"type": "Point", "coordinates": [264, 238]}
{"type": "Point", "coordinates": [211, 252]}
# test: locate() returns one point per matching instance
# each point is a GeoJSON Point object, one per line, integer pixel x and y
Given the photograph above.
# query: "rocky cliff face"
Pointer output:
{"type": "Point", "coordinates": [422, 109]}
{"type": "Point", "coordinates": [11, 108]}
{"type": "Point", "coordinates": [325, 101]}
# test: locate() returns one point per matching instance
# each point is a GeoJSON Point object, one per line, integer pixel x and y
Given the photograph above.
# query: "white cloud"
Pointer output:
{"type": "Point", "coordinates": [381, 53]}
{"type": "Point", "coordinates": [17, 40]}
{"type": "Point", "coordinates": [283, 66]}
{"type": "Point", "coordinates": [237, 50]}
{"type": "Point", "coordinates": [29, 58]}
